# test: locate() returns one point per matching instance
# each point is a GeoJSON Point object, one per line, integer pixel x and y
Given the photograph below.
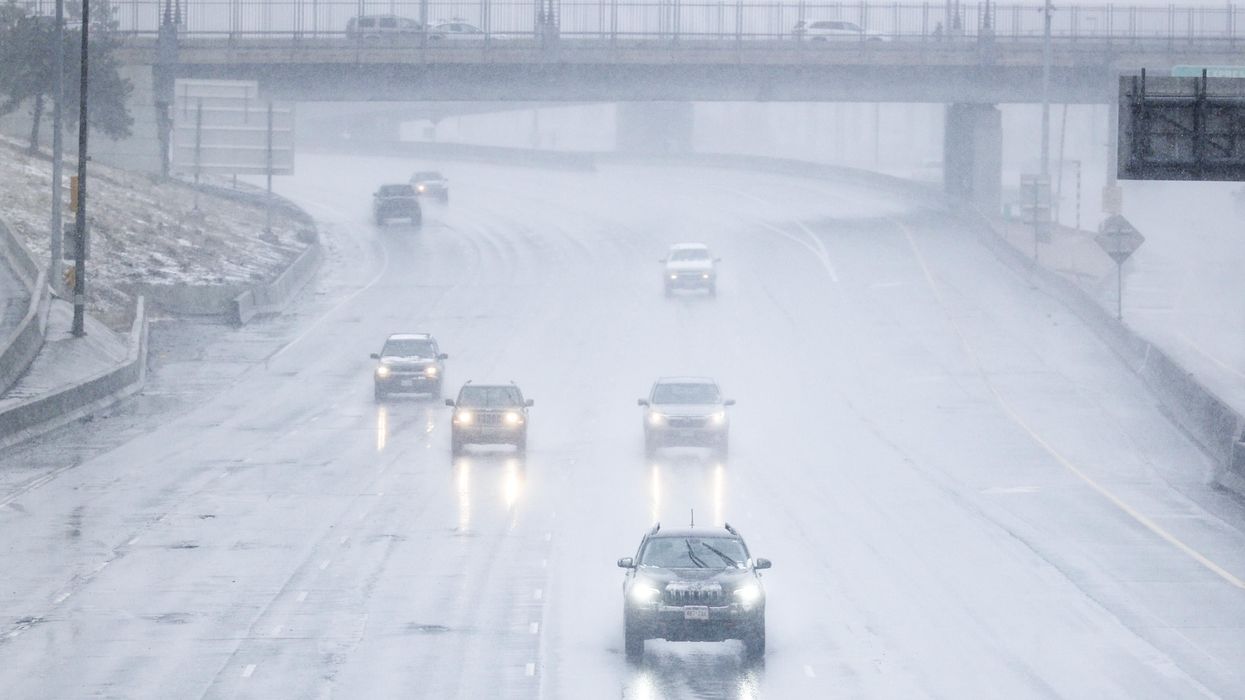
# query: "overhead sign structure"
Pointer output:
{"type": "Point", "coordinates": [1182, 128]}
{"type": "Point", "coordinates": [1211, 71]}
{"type": "Point", "coordinates": [225, 127]}
{"type": "Point", "coordinates": [1119, 239]}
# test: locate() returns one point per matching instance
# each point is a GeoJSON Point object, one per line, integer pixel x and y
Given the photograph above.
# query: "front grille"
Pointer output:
{"type": "Point", "coordinates": [685, 422]}
{"type": "Point", "coordinates": [489, 419]}
{"type": "Point", "coordinates": [694, 595]}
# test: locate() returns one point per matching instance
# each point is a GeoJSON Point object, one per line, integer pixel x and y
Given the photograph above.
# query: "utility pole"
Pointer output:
{"type": "Point", "coordinates": [1047, 8]}
{"type": "Point", "coordinates": [79, 284]}
{"type": "Point", "coordinates": [58, 98]}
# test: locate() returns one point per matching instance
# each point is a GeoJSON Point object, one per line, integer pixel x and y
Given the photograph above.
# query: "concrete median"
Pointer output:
{"type": "Point", "coordinates": [21, 346]}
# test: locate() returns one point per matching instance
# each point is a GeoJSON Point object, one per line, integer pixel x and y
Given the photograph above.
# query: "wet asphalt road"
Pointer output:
{"type": "Point", "coordinates": [963, 492]}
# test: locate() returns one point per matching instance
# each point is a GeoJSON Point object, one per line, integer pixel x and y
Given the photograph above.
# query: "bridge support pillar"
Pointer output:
{"type": "Point", "coordinates": [654, 127]}
{"type": "Point", "coordinates": [972, 159]}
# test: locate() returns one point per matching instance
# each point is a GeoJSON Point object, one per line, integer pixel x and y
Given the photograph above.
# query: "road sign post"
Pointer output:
{"type": "Point", "coordinates": [1035, 207]}
{"type": "Point", "coordinates": [1119, 239]}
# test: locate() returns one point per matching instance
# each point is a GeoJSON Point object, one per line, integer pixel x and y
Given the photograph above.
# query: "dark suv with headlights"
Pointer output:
{"type": "Point", "coordinates": [409, 363]}
{"type": "Point", "coordinates": [695, 584]}
{"type": "Point", "coordinates": [685, 411]}
{"type": "Point", "coordinates": [489, 414]}
{"type": "Point", "coordinates": [396, 202]}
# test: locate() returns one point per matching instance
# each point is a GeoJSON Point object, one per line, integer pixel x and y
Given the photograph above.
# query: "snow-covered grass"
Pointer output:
{"type": "Point", "coordinates": [146, 231]}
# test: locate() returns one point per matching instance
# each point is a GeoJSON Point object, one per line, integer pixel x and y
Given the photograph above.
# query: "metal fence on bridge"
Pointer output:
{"type": "Point", "coordinates": [674, 20]}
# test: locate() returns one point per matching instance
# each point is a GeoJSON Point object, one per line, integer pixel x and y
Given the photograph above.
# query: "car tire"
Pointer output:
{"type": "Point", "coordinates": [650, 446]}
{"type": "Point", "coordinates": [633, 641]}
{"type": "Point", "coordinates": [379, 393]}
{"type": "Point", "coordinates": [754, 642]}
{"type": "Point", "coordinates": [713, 290]}
{"type": "Point", "coordinates": [436, 390]}
{"type": "Point", "coordinates": [724, 447]}
{"type": "Point", "coordinates": [456, 445]}
{"type": "Point", "coordinates": [520, 447]}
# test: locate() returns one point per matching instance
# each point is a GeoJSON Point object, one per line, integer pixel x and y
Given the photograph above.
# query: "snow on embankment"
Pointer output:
{"type": "Point", "coordinates": [144, 231]}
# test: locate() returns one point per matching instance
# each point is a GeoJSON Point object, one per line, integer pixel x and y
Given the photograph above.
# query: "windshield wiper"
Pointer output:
{"type": "Point", "coordinates": [725, 558]}
{"type": "Point", "coordinates": [692, 555]}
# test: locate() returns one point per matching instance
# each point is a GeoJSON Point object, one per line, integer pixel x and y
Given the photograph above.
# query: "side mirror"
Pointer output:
{"type": "Point", "coordinates": [641, 402]}
{"type": "Point", "coordinates": [449, 402]}
{"type": "Point", "coordinates": [626, 563]}
{"type": "Point", "coordinates": [375, 356]}
{"type": "Point", "coordinates": [443, 356]}
{"type": "Point", "coordinates": [729, 402]}
{"type": "Point", "coordinates": [762, 564]}
{"type": "Point", "coordinates": [529, 403]}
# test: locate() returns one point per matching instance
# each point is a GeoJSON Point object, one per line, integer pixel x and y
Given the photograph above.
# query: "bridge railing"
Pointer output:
{"type": "Point", "coordinates": [689, 20]}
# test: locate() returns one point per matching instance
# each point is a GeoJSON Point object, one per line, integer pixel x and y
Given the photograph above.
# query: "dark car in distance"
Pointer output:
{"type": "Point", "coordinates": [396, 202]}
{"type": "Point", "coordinates": [489, 414]}
{"type": "Point", "coordinates": [696, 584]}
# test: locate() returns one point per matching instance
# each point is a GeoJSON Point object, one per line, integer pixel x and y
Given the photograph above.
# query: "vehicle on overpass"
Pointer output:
{"type": "Point", "coordinates": [456, 29]}
{"type": "Point", "coordinates": [489, 414]}
{"type": "Point", "coordinates": [430, 183]}
{"type": "Point", "coordinates": [690, 266]}
{"type": "Point", "coordinates": [409, 363]}
{"type": "Point", "coordinates": [686, 412]}
{"type": "Point", "coordinates": [396, 202]}
{"type": "Point", "coordinates": [833, 30]}
{"type": "Point", "coordinates": [377, 27]}
{"type": "Point", "coordinates": [695, 584]}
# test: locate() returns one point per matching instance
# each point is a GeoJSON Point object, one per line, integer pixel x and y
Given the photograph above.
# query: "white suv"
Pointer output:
{"type": "Point", "coordinates": [833, 30]}
{"type": "Point", "coordinates": [690, 266]}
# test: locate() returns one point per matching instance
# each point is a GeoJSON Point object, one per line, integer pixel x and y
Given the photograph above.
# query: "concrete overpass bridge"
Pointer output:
{"type": "Point", "coordinates": [969, 57]}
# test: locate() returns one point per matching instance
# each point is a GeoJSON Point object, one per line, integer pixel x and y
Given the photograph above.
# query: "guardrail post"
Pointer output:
{"type": "Point", "coordinates": [739, 24]}
{"type": "Point", "coordinates": [613, 23]}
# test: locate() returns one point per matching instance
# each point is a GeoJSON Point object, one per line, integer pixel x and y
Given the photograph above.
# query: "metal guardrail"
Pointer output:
{"type": "Point", "coordinates": [672, 20]}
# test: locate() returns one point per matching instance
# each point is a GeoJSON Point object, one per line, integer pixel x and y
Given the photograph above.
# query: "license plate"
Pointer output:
{"type": "Point", "coordinates": [408, 382]}
{"type": "Point", "coordinates": [695, 612]}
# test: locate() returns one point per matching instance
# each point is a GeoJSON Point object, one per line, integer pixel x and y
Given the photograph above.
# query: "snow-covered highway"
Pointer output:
{"type": "Point", "coordinates": [963, 491]}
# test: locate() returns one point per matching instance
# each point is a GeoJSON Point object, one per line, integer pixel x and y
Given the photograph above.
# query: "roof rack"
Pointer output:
{"type": "Point", "coordinates": [656, 527]}
{"type": "Point", "coordinates": [731, 530]}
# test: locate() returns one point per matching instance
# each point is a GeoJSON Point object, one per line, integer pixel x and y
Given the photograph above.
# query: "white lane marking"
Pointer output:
{"type": "Point", "coordinates": [384, 268]}
{"type": "Point", "coordinates": [345, 539]}
{"type": "Point", "coordinates": [246, 672]}
{"type": "Point", "coordinates": [100, 568]}
{"type": "Point", "coordinates": [224, 474]}
{"type": "Point", "coordinates": [134, 540]}
{"type": "Point", "coordinates": [1011, 489]}
{"type": "Point", "coordinates": [276, 630]}
{"type": "Point", "coordinates": [538, 594]}
{"type": "Point", "coordinates": [808, 671]}
{"type": "Point", "coordinates": [1058, 456]}
{"type": "Point", "coordinates": [61, 598]}
{"type": "Point", "coordinates": [530, 669]}
{"type": "Point", "coordinates": [544, 563]}
{"type": "Point", "coordinates": [1198, 349]}
{"type": "Point", "coordinates": [534, 628]}
{"type": "Point", "coordinates": [302, 596]}
{"type": "Point", "coordinates": [818, 249]}
{"type": "Point", "coordinates": [325, 564]}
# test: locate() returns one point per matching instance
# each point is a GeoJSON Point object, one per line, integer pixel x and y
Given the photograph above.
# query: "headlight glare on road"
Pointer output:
{"type": "Point", "coordinates": [382, 371]}
{"type": "Point", "coordinates": [512, 418]}
{"type": "Point", "coordinates": [430, 371]}
{"type": "Point", "coordinates": [748, 594]}
{"type": "Point", "coordinates": [464, 417]}
{"type": "Point", "coordinates": [643, 593]}
{"type": "Point", "coordinates": [655, 418]}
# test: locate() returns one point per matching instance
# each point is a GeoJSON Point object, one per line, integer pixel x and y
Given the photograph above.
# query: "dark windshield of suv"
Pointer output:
{"type": "Point", "coordinates": [686, 393]}
{"type": "Point", "coordinates": [485, 396]}
{"type": "Point", "coordinates": [690, 254]}
{"type": "Point", "coordinates": [693, 553]}
{"type": "Point", "coordinates": [408, 347]}
{"type": "Point", "coordinates": [396, 191]}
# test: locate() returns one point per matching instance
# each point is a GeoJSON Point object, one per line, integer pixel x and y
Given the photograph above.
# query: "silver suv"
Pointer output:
{"type": "Point", "coordinates": [409, 363]}
{"type": "Point", "coordinates": [373, 27]}
{"type": "Point", "coordinates": [685, 411]}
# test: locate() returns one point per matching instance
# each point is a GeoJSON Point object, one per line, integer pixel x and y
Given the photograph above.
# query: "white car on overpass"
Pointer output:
{"type": "Point", "coordinates": [833, 30]}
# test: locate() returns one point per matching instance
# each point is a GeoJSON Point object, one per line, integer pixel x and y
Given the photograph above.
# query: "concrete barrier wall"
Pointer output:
{"type": "Point", "coordinates": [19, 349]}
{"type": "Point", "coordinates": [276, 295]}
{"type": "Point", "coordinates": [70, 402]}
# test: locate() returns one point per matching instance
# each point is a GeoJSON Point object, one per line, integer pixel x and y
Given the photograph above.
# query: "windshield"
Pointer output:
{"type": "Point", "coordinates": [427, 176]}
{"type": "Point", "coordinates": [484, 396]}
{"type": "Point", "coordinates": [693, 553]}
{"type": "Point", "coordinates": [396, 191]}
{"type": "Point", "coordinates": [699, 392]}
{"type": "Point", "coordinates": [690, 254]}
{"type": "Point", "coordinates": [409, 347]}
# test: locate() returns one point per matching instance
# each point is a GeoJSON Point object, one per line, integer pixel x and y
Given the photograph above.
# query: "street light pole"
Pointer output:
{"type": "Point", "coordinates": [79, 284]}
{"type": "Point", "coordinates": [1046, 49]}
{"type": "Point", "coordinates": [58, 99]}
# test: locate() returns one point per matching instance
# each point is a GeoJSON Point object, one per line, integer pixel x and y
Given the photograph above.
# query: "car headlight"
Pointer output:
{"type": "Point", "coordinates": [421, 188]}
{"type": "Point", "coordinates": [673, 276]}
{"type": "Point", "coordinates": [655, 418]}
{"type": "Point", "coordinates": [464, 417]}
{"type": "Point", "coordinates": [748, 594]}
{"type": "Point", "coordinates": [704, 276]}
{"type": "Point", "coordinates": [383, 371]}
{"type": "Point", "coordinates": [643, 593]}
{"type": "Point", "coordinates": [512, 418]}
{"type": "Point", "coordinates": [718, 418]}
{"type": "Point", "coordinates": [430, 371]}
